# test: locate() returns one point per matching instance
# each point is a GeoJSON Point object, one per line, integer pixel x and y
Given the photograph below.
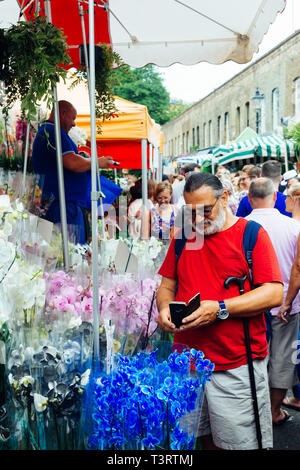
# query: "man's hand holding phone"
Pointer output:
{"type": "Point", "coordinates": [170, 318]}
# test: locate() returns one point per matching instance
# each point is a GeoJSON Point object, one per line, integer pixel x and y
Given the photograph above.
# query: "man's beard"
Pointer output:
{"type": "Point", "coordinates": [214, 226]}
{"type": "Point", "coordinates": [217, 224]}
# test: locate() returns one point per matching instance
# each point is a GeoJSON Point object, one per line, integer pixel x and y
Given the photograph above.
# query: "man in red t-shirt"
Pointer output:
{"type": "Point", "coordinates": [227, 419]}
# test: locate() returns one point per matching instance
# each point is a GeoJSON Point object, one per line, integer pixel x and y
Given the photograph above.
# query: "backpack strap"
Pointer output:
{"type": "Point", "coordinates": [249, 241]}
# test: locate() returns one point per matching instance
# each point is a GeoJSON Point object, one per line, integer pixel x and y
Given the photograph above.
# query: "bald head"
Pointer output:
{"type": "Point", "coordinates": [262, 193]}
{"type": "Point", "coordinates": [67, 115]}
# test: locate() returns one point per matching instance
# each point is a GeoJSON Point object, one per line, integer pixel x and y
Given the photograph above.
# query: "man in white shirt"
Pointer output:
{"type": "Point", "coordinates": [283, 232]}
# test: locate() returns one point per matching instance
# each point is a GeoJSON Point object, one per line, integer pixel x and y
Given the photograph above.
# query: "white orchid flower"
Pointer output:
{"type": "Point", "coordinates": [40, 402]}
{"type": "Point", "coordinates": [26, 380]}
{"type": "Point", "coordinates": [85, 378]}
{"type": "Point", "coordinates": [5, 203]}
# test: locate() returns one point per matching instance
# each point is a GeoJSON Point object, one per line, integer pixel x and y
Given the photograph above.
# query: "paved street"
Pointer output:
{"type": "Point", "coordinates": [287, 436]}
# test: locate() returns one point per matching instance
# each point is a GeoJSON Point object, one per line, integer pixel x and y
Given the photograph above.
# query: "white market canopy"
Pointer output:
{"type": "Point", "coordinates": [190, 31]}
{"type": "Point", "coordinates": [164, 32]}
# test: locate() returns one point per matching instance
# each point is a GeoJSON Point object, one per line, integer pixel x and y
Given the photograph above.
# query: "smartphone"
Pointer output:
{"type": "Point", "coordinates": [193, 304]}
{"type": "Point", "coordinates": [179, 310]}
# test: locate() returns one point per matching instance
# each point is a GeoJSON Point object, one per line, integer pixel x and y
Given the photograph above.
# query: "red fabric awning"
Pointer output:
{"type": "Point", "coordinates": [65, 15]}
{"type": "Point", "coordinates": [127, 152]}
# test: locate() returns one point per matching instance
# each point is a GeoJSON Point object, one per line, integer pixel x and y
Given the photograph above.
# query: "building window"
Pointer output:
{"type": "Point", "coordinates": [238, 121]}
{"type": "Point", "coordinates": [247, 114]}
{"type": "Point", "coordinates": [297, 96]}
{"type": "Point", "coordinates": [210, 134]}
{"type": "Point", "coordinates": [226, 127]}
{"type": "Point", "coordinates": [194, 137]}
{"type": "Point", "coordinates": [183, 143]}
{"type": "Point", "coordinates": [187, 142]}
{"type": "Point", "coordinates": [198, 136]}
{"type": "Point", "coordinates": [219, 131]}
{"type": "Point", "coordinates": [275, 108]}
{"type": "Point", "coordinates": [204, 135]}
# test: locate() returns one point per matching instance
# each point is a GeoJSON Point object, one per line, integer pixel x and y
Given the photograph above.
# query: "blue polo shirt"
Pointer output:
{"type": "Point", "coordinates": [44, 164]}
{"type": "Point", "coordinates": [245, 207]}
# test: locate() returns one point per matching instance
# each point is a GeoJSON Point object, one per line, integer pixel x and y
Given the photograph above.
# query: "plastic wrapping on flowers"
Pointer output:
{"type": "Point", "coordinates": [46, 343]}
{"type": "Point", "coordinates": [146, 403]}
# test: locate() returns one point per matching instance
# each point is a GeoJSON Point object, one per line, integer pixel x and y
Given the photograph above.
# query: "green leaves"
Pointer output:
{"type": "Point", "coordinates": [105, 60]}
{"type": "Point", "coordinates": [29, 67]}
{"type": "Point", "coordinates": [144, 86]}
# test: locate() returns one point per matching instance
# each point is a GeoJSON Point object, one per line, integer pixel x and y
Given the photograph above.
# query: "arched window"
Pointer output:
{"type": "Point", "coordinates": [238, 121]}
{"type": "Point", "coordinates": [210, 133]}
{"type": "Point", "coordinates": [219, 131]}
{"type": "Point", "coordinates": [226, 127]}
{"type": "Point", "coordinates": [275, 108]}
{"type": "Point", "coordinates": [297, 96]}
{"type": "Point", "coordinates": [247, 114]}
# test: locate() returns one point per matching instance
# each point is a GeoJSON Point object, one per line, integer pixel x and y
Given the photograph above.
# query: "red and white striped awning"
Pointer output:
{"type": "Point", "coordinates": [164, 32]}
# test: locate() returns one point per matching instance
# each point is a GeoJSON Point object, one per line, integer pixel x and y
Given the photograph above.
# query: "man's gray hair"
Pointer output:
{"type": "Point", "coordinates": [197, 180]}
{"type": "Point", "coordinates": [260, 188]}
{"type": "Point", "coordinates": [271, 169]}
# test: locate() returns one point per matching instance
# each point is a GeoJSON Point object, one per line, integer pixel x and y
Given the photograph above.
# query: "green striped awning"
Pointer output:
{"type": "Point", "coordinates": [272, 146]}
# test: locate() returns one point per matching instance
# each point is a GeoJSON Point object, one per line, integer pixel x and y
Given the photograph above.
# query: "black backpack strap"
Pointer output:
{"type": "Point", "coordinates": [179, 245]}
{"type": "Point", "coordinates": [249, 240]}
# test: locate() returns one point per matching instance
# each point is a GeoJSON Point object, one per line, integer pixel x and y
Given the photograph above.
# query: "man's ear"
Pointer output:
{"type": "Point", "coordinates": [225, 197]}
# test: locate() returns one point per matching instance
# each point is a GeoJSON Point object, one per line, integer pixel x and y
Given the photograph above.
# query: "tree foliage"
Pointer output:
{"type": "Point", "coordinates": [144, 86]}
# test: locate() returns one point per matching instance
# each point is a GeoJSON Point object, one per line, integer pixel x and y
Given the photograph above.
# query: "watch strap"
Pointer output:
{"type": "Point", "coordinates": [222, 304]}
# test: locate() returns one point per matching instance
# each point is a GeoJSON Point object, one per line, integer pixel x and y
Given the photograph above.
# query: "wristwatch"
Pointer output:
{"type": "Point", "coordinates": [223, 313]}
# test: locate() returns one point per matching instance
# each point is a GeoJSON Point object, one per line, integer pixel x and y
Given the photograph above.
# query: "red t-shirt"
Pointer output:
{"type": "Point", "coordinates": [204, 270]}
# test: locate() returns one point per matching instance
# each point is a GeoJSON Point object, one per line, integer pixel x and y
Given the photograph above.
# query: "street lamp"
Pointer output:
{"type": "Point", "coordinates": [258, 100]}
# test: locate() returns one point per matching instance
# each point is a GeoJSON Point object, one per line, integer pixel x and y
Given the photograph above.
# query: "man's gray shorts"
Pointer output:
{"type": "Point", "coordinates": [227, 411]}
{"type": "Point", "coordinates": [282, 371]}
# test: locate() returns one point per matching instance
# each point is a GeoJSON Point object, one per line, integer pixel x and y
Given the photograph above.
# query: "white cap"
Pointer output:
{"type": "Point", "coordinates": [290, 174]}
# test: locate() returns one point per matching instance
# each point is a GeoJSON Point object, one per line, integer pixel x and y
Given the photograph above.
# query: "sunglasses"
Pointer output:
{"type": "Point", "coordinates": [200, 210]}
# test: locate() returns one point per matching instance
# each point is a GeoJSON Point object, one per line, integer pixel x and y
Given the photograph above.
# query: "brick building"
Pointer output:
{"type": "Point", "coordinates": [223, 114]}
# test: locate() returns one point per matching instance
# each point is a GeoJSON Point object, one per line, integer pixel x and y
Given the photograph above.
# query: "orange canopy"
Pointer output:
{"type": "Point", "coordinates": [120, 136]}
{"type": "Point", "coordinates": [132, 120]}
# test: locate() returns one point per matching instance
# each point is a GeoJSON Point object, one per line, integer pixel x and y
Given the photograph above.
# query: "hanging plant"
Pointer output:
{"type": "Point", "coordinates": [29, 66]}
{"type": "Point", "coordinates": [105, 61]}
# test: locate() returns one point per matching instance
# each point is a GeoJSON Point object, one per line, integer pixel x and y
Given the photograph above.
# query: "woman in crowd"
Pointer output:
{"type": "Point", "coordinates": [233, 201]}
{"type": "Point", "coordinates": [159, 221]}
{"type": "Point", "coordinates": [249, 172]}
{"type": "Point", "coordinates": [136, 206]}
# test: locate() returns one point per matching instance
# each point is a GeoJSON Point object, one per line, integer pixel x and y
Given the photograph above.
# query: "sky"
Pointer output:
{"type": "Point", "coordinates": [193, 82]}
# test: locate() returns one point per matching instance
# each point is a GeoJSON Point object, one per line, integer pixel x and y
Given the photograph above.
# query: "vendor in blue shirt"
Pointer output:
{"type": "Point", "coordinates": [270, 169]}
{"type": "Point", "coordinates": [76, 169]}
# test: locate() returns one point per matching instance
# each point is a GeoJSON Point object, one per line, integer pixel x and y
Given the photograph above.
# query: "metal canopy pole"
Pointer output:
{"type": "Point", "coordinates": [94, 193]}
{"type": "Point", "coordinates": [86, 58]}
{"type": "Point", "coordinates": [144, 181]}
{"type": "Point", "coordinates": [101, 195]}
{"type": "Point", "coordinates": [60, 171]}
{"type": "Point", "coordinates": [25, 159]}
